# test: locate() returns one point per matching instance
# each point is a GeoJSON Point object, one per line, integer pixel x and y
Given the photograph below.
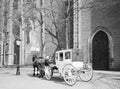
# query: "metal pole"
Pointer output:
{"type": "Point", "coordinates": [18, 66]}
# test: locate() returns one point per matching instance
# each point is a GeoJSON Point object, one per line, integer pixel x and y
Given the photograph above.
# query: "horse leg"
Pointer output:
{"type": "Point", "coordinates": [42, 70]}
{"type": "Point", "coordinates": [34, 71]}
{"type": "Point", "coordinates": [37, 71]}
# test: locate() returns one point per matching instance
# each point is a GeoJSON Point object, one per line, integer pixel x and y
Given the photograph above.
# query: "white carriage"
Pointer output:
{"type": "Point", "coordinates": [70, 65]}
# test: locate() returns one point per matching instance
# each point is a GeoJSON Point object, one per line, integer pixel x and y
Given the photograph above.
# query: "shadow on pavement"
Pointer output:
{"type": "Point", "coordinates": [58, 80]}
{"type": "Point", "coordinates": [55, 79]}
{"type": "Point", "coordinates": [31, 75]}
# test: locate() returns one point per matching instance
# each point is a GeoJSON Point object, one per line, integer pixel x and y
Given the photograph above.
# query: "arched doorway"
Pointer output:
{"type": "Point", "coordinates": [100, 51]}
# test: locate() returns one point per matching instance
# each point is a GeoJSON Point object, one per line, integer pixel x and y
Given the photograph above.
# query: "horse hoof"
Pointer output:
{"type": "Point", "coordinates": [42, 75]}
{"type": "Point", "coordinates": [39, 76]}
{"type": "Point", "coordinates": [33, 74]}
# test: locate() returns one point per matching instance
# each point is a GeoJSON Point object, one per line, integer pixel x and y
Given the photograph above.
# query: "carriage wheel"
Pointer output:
{"type": "Point", "coordinates": [48, 72]}
{"type": "Point", "coordinates": [69, 74]}
{"type": "Point", "coordinates": [86, 73]}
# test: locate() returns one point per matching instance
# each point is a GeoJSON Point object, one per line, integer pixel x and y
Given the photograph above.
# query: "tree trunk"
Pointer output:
{"type": "Point", "coordinates": [53, 56]}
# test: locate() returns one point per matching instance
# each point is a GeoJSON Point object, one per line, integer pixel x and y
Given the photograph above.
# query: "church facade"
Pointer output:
{"type": "Point", "coordinates": [95, 30]}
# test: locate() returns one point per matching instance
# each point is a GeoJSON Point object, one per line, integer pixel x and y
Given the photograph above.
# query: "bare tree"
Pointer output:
{"type": "Point", "coordinates": [61, 14]}
{"type": "Point", "coordinates": [49, 13]}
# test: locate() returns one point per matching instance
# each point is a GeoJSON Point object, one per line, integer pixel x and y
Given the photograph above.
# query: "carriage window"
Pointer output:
{"type": "Point", "coordinates": [61, 56]}
{"type": "Point", "coordinates": [56, 56]}
{"type": "Point", "coordinates": [67, 55]}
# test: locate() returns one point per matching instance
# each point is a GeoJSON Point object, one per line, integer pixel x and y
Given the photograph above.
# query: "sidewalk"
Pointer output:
{"type": "Point", "coordinates": [12, 71]}
{"type": "Point", "coordinates": [100, 80]}
{"type": "Point", "coordinates": [28, 71]}
{"type": "Point", "coordinates": [23, 68]}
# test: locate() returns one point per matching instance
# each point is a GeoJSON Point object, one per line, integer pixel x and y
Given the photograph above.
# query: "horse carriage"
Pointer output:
{"type": "Point", "coordinates": [70, 65]}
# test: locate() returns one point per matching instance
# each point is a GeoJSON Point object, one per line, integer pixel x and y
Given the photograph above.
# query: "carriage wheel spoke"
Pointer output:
{"type": "Point", "coordinates": [86, 73]}
{"type": "Point", "coordinates": [69, 74]}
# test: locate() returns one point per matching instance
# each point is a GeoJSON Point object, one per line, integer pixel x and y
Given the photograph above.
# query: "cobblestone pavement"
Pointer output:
{"type": "Point", "coordinates": [100, 80]}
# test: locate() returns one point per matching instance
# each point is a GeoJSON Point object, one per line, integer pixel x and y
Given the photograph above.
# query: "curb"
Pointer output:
{"type": "Point", "coordinates": [108, 72]}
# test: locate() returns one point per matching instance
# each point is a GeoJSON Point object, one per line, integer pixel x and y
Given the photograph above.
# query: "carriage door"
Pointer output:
{"type": "Point", "coordinates": [60, 61]}
{"type": "Point", "coordinates": [100, 51]}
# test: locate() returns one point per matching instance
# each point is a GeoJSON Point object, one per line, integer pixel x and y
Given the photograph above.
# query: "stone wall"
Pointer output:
{"type": "Point", "coordinates": [106, 14]}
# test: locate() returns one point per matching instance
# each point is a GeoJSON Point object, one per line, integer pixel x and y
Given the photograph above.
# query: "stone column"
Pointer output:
{"type": "Point", "coordinates": [2, 34]}
{"type": "Point", "coordinates": [80, 24]}
{"type": "Point", "coordinates": [77, 24]}
{"type": "Point", "coordinates": [85, 26]}
{"type": "Point", "coordinates": [11, 37]}
{"type": "Point", "coordinates": [22, 35]}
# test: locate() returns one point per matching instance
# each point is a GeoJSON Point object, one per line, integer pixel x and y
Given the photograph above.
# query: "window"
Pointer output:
{"type": "Point", "coordinates": [67, 55]}
{"type": "Point", "coordinates": [56, 56]}
{"type": "Point", "coordinates": [61, 56]}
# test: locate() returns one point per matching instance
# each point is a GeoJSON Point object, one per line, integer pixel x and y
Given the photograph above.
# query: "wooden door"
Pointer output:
{"type": "Point", "coordinates": [100, 51]}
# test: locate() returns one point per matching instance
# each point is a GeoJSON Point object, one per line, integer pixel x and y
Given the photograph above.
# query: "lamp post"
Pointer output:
{"type": "Point", "coordinates": [17, 56]}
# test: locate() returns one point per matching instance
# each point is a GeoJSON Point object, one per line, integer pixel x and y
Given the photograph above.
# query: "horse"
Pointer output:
{"type": "Point", "coordinates": [40, 63]}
